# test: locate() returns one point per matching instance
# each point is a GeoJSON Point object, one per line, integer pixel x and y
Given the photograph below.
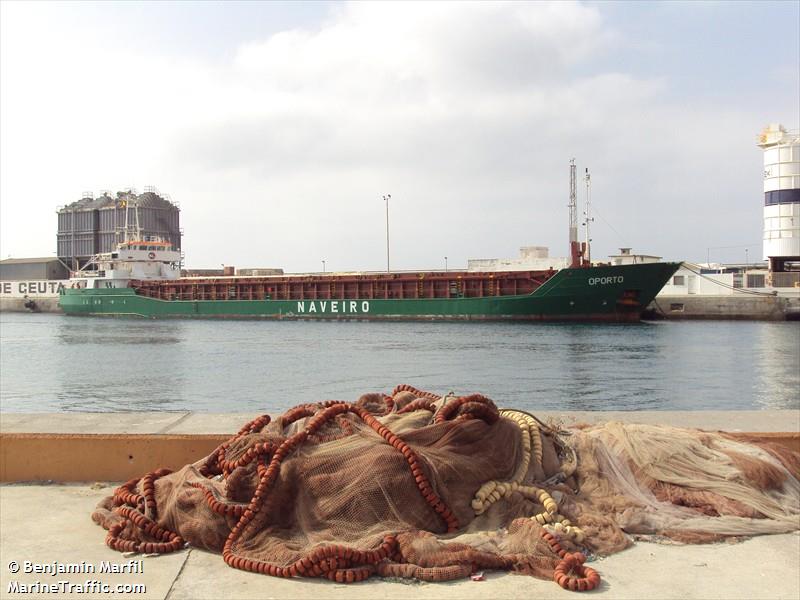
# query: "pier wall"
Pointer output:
{"type": "Point", "coordinates": [744, 307]}
{"type": "Point", "coordinates": [48, 305]}
{"type": "Point", "coordinates": [55, 447]}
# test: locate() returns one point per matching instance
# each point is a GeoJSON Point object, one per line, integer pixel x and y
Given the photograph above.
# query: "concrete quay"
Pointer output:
{"type": "Point", "coordinates": [119, 446]}
{"type": "Point", "coordinates": [739, 307]}
{"type": "Point", "coordinates": [49, 524]}
{"type": "Point", "coordinates": [41, 305]}
{"type": "Point", "coordinates": [204, 423]}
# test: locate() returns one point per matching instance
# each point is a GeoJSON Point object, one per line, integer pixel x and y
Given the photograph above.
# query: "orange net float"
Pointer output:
{"type": "Point", "coordinates": [450, 409]}
{"type": "Point", "coordinates": [337, 428]}
{"type": "Point", "coordinates": [124, 494]}
{"type": "Point", "coordinates": [216, 462]}
{"type": "Point", "coordinates": [219, 506]}
{"type": "Point", "coordinates": [418, 404]}
{"type": "Point", "coordinates": [296, 413]}
{"type": "Point", "coordinates": [336, 562]}
{"type": "Point", "coordinates": [404, 387]}
{"type": "Point", "coordinates": [478, 410]}
{"type": "Point", "coordinates": [171, 541]}
{"type": "Point", "coordinates": [352, 575]}
{"type": "Point", "coordinates": [254, 426]}
{"type": "Point", "coordinates": [253, 452]}
{"type": "Point", "coordinates": [570, 573]}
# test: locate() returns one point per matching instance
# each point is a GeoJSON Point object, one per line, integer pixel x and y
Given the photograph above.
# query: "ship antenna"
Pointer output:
{"type": "Point", "coordinates": [125, 237]}
{"type": "Point", "coordinates": [574, 251]}
{"type": "Point", "coordinates": [588, 215]}
{"type": "Point", "coordinates": [138, 226]}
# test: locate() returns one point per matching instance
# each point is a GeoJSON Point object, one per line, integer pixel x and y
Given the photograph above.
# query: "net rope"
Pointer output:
{"type": "Point", "coordinates": [417, 485]}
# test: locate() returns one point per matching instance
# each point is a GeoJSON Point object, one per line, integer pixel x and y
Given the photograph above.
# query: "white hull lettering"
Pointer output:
{"type": "Point", "coordinates": [606, 280]}
{"type": "Point", "coordinates": [332, 306]}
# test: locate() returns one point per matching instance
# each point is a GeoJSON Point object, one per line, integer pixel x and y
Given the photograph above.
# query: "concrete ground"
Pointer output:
{"type": "Point", "coordinates": [51, 525]}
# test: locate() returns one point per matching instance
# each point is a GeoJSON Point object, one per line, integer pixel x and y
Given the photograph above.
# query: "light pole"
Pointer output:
{"type": "Point", "coordinates": [445, 264]}
{"type": "Point", "coordinates": [323, 266]}
{"type": "Point", "coordinates": [386, 199]}
{"type": "Point", "coordinates": [746, 259]}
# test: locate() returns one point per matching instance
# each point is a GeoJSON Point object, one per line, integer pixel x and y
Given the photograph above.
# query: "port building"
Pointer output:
{"type": "Point", "coordinates": [25, 269]}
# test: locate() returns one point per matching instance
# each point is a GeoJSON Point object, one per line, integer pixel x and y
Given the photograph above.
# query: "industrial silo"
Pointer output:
{"type": "Point", "coordinates": [91, 225]}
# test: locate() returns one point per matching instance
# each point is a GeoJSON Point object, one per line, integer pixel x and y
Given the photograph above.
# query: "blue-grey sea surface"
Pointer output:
{"type": "Point", "coordinates": [53, 363]}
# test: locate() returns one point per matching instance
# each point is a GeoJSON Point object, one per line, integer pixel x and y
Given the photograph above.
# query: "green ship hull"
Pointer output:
{"type": "Point", "coordinates": [603, 293]}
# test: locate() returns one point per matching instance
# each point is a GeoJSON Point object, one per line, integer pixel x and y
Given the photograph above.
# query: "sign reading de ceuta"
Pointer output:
{"type": "Point", "coordinates": [32, 289]}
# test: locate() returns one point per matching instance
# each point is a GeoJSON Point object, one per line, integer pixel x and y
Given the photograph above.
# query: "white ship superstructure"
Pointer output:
{"type": "Point", "coordinates": [138, 257]}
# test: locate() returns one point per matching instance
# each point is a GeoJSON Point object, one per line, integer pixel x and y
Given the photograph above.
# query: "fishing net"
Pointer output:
{"type": "Point", "coordinates": [436, 488]}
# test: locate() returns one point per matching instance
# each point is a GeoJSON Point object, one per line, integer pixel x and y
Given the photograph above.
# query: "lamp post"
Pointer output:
{"type": "Point", "coordinates": [323, 266]}
{"type": "Point", "coordinates": [386, 199]}
{"type": "Point", "coordinates": [445, 264]}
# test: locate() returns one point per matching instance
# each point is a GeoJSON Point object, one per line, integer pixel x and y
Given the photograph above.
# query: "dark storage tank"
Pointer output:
{"type": "Point", "coordinates": [93, 225]}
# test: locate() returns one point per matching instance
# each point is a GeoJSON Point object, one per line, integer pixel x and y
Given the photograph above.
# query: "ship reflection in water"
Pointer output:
{"type": "Point", "coordinates": [51, 363]}
{"type": "Point", "coordinates": [777, 355]}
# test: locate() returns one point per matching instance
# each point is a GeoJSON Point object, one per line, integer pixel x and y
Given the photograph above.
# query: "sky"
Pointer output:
{"type": "Point", "coordinates": [279, 127]}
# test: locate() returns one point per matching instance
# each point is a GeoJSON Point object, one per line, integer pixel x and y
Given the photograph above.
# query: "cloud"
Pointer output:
{"type": "Point", "coordinates": [422, 87]}
{"type": "Point", "coordinates": [376, 50]}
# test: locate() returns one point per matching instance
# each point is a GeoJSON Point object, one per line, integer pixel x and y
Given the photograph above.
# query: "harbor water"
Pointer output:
{"type": "Point", "coordinates": [53, 363]}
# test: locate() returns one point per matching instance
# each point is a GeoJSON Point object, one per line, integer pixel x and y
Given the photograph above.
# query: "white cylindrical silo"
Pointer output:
{"type": "Point", "coordinates": [781, 195]}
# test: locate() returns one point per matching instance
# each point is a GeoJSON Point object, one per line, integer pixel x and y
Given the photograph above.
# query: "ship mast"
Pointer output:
{"type": "Point", "coordinates": [587, 247]}
{"type": "Point", "coordinates": [574, 248]}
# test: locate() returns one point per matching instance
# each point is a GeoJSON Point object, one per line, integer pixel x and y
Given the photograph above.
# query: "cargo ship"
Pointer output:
{"type": "Point", "coordinates": [607, 293]}
{"type": "Point", "coordinates": [142, 278]}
